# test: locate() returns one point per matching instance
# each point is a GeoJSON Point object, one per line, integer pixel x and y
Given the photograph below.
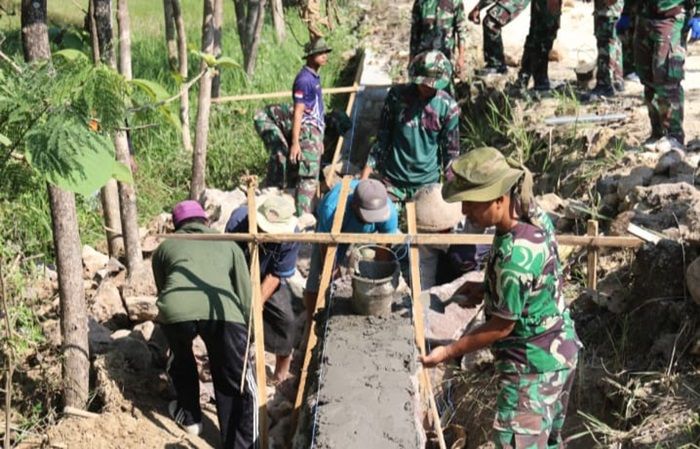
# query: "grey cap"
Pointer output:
{"type": "Point", "coordinates": [372, 201]}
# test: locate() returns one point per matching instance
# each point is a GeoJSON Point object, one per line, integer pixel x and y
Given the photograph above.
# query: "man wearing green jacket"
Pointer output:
{"type": "Point", "coordinates": [204, 289]}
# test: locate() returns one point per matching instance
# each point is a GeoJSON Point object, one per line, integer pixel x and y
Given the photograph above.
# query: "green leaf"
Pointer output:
{"type": "Point", "coordinates": [122, 173]}
{"type": "Point", "coordinates": [209, 60]}
{"type": "Point", "coordinates": [70, 54]}
{"type": "Point", "coordinates": [69, 155]}
{"type": "Point", "coordinates": [151, 88]}
{"type": "Point", "coordinates": [4, 140]}
{"type": "Point", "coordinates": [227, 63]}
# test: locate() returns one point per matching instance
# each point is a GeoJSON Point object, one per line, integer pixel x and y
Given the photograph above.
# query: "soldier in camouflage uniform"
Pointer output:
{"type": "Point", "coordinates": [528, 325]}
{"type": "Point", "coordinates": [609, 75]}
{"type": "Point", "coordinates": [308, 124]}
{"type": "Point", "coordinates": [545, 17]}
{"type": "Point", "coordinates": [439, 25]}
{"type": "Point", "coordinates": [659, 44]}
{"type": "Point", "coordinates": [419, 129]}
{"type": "Point", "coordinates": [273, 124]}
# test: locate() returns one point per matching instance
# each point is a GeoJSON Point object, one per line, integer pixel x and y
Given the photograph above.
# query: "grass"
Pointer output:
{"type": "Point", "coordinates": [164, 168]}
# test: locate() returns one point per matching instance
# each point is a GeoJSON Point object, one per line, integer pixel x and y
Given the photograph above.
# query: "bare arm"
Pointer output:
{"type": "Point", "coordinates": [494, 329]}
{"type": "Point", "coordinates": [269, 286]}
{"type": "Point", "coordinates": [295, 148]}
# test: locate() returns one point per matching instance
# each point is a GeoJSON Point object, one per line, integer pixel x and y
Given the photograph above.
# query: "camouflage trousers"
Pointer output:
{"type": "Point", "coordinates": [531, 409]}
{"type": "Point", "coordinates": [399, 195]}
{"type": "Point", "coordinates": [609, 69]}
{"type": "Point", "coordinates": [627, 42]}
{"type": "Point", "coordinates": [659, 57]}
{"type": "Point", "coordinates": [498, 16]}
{"type": "Point", "coordinates": [276, 144]}
{"type": "Point", "coordinates": [311, 142]}
{"type": "Point", "coordinates": [545, 18]}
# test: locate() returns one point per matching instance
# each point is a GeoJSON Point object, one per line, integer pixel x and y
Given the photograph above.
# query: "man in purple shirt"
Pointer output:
{"type": "Point", "coordinates": [308, 124]}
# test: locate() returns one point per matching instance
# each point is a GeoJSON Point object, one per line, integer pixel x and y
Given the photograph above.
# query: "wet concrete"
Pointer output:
{"type": "Point", "coordinates": [368, 395]}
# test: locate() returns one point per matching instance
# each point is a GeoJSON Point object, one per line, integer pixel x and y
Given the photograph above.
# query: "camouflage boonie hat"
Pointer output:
{"type": "Point", "coordinates": [315, 47]}
{"type": "Point", "coordinates": [431, 68]}
{"type": "Point", "coordinates": [481, 175]}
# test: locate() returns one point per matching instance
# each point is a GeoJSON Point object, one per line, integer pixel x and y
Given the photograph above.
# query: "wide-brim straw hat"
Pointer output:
{"type": "Point", "coordinates": [275, 215]}
{"type": "Point", "coordinates": [481, 175]}
{"type": "Point", "coordinates": [433, 213]}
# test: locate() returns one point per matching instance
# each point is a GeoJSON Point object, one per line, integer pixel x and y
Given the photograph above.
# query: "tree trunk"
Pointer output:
{"type": "Point", "coordinates": [256, 16]}
{"type": "Point", "coordinates": [102, 12]}
{"type": "Point", "coordinates": [76, 355]}
{"type": "Point", "coordinates": [184, 89]}
{"type": "Point", "coordinates": [199, 157]}
{"type": "Point", "coordinates": [100, 19]}
{"type": "Point", "coordinates": [278, 19]}
{"type": "Point", "coordinates": [218, 23]}
{"type": "Point", "coordinates": [124, 39]}
{"type": "Point", "coordinates": [35, 39]}
{"type": "Point", "coordinates": [127, 192]}
{"type": "Point", "coordinates": [76, 362]}
{"type": "Point", "coordinates": [170, 34]}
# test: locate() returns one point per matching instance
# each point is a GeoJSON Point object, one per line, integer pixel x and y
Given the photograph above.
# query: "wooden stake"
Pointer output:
{"type": "Point", "coordinates": [348, 111]}
{"type": "Point", "coordinates": [257, 306]}
{"type": "Point", "coordinates": [424, 378]}
{"type": "Point", "coordinates": [600, 241]}
{"type": "Point", "coordinates": [593, 256]}
{"type": "Point", "coordinates": [281, 94]}
{"type": "Point", "coordinates": [325, 281]}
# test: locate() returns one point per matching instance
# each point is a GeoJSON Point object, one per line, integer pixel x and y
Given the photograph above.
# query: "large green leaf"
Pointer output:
{"type": "Point", "coordinates": [4, 140]}
{"type": "Point", "coordinates": [68, 154]}
{"type": "Point", "coordinates": [154, 90]}
{"type": "Point", "coordinates": [70, 54]}
{"type": "Point", "coordinates": [122, 173]}
{"type": "Point", "coordinates": [227, 63]}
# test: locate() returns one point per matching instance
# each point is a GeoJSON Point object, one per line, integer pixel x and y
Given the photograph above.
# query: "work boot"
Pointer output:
{"type": "Point", "coordinates": [599, 92]}
{"type": "Point", "coordinates": [183, 419]}
{"type": "Point", "coordinates": [522, 81]}
{"type": "Point", "coordinates": [668, 143]}
{"type": "Point", "coordinates": [491, 70]}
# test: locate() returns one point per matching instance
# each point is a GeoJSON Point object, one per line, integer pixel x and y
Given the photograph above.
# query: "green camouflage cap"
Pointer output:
{"type": "Point", "coordinates": [482, 174]}
{"type": "Point", "coordinates": [315, 47]}
{"type": "Point", "coordinates": [431, 68]}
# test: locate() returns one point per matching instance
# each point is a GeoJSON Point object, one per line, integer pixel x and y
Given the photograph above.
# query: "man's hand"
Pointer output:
{"type": "Point", "coordinates": [474, 291]}
{"type": "Point", "coordinates": [459, 66]}
{"type": "Point", "coordinates": [366, 171]}
{"type": "Point", "coordinates": [295, 153]}
{"type": "Point", "coordinates": [474, 15]}
{"type": "Point", "coordinates": [436, 356]}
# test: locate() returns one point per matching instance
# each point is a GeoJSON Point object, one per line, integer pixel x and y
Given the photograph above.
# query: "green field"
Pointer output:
{"type": "Point", "coordinates": [164, 167]}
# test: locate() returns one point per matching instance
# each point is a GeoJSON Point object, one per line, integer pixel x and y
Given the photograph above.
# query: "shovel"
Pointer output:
{"type": "Point", "coordinates": [439, 306]}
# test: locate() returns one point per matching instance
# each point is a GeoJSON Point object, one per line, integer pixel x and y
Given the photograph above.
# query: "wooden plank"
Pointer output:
{"type": "Point", "coordinates": [348, 111]}
{"type": "Point", "coordinates": [418, 319]}
{"type": "Point", "coordinates": [592, 256]}
{"type": "Point", "coordinates": [600, 241]}
{"type": "Point", "coordinates": [325, 281]}
{"type": "Point", "coordinates": [257, 306]}
{"type": "Point", "coordinates": [281, 94]}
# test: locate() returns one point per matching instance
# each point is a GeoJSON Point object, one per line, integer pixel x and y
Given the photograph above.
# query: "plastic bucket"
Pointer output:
{"type": "Point", "coordinates": [374, 283]}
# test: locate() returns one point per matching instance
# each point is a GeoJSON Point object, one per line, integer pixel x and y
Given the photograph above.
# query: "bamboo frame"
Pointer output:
{"type": "Point", "coordinates": [310, 337]}
{"type": "Point", "coordinates": [424, 378]}
{"type": "Point", "coordinates": [600, 241]}
{"type": "Point", "coordinates": [281, 94]}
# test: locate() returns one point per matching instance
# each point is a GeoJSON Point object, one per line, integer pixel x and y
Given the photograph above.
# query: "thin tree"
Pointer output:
{"type": "Point", "coordinates": [278, 19]}
{"type": "Point", "coordinates": [127, 192]}
{"type": "Point", "coordinates": [76, 363]}
{"type": "Point", "coordinates": [199, 156]}
{"type": "Point", "coordinates": [250, 15]}
{"type": "Point", "coordinates": [170, 42]}
{"type": "Point", "coordinates": [100, 23]}
{"type": "Point", "coordinates": [218, 24]}
{"type": "Point", "coordinates": [183, 68]}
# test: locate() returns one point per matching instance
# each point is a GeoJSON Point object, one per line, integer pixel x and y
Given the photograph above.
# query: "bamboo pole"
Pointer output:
{"type": "Point", "coordinates": [328, 262]}
{"type": "Point", "coordinates": [599, 241]}
{"type": "Point", "coordinates": [424, 379]}
{"type": "Point", "coordinates": [348, 111]}
{"type": "Point", "coordinates": [257, 306]}
{"type": "Point", "coordinates": [592, 256]}
{"type": "Point", "coordinates": [281, 94]}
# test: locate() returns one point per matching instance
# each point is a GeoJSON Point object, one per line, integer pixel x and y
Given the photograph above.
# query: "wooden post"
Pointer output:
{"type": "Point", "coordinates": [325, 281]}
{"type": "Point", "coordinates": [424, 379]}
{"type": "Point", "coordinates": [592, 256]}
{"type": "Point", "coordinates": [257, 306]}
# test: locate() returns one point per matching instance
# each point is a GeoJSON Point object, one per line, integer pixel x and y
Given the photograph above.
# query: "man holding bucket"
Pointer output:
{"type": "Point", "coordinates": [368, 210]}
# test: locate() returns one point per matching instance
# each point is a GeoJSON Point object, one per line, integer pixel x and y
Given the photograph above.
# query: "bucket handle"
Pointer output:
{"type": "Point", "coordinates": [371, 245]}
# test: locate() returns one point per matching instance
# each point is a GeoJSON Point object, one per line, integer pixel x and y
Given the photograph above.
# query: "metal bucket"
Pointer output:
{"type": "Point", "coordinates": [374, 283]}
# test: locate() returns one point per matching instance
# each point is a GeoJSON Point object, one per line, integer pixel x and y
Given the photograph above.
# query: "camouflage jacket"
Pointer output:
{"type": "Point", "coordinates": [417, 138]}
{"type": "Point", "coordinates": [275, 116]}
{"type": "Point", "coordinates": [523, 284]}
{"type": "Point", "coordinates": [665, 8]}
{"type": "Point", "coordinates": [438, 25]}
